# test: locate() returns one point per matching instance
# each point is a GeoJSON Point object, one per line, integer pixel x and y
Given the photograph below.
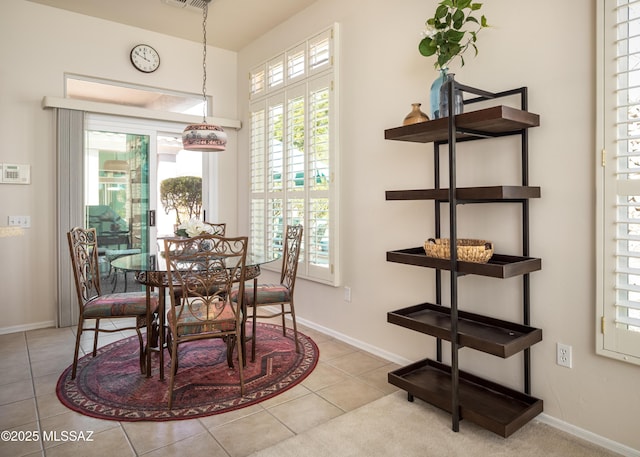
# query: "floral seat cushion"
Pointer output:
{"type": "Point", "coordinates": [265, 294]}
{"type": "Point", "coordinates": [120, 304]}
{"type": "Point", "coordinates": [194, 320]}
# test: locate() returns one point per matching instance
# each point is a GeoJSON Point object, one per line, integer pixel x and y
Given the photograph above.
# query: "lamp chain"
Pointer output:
{"type": "Point", "coordinates": [205, 12]}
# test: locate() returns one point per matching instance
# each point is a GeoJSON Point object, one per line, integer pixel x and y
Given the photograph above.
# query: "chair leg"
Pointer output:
{"type": "Point", "coordinates": [77, 349]}
{"type": "Point", "coordinates": [295, 326]}
{"type": "Point", "coordinates": [95, 337]}
{"type": "Point", "coordinates": [231, 342]}
{"type": "Point", "coordinates": [284, 323]}
{"type": "Point", "coordinates": [170, 349]}
{"type": "Point", "coordinates": [143, 354]}
{"type": "Point", "coordinates": [253, 333]}
{"type": "Point", "coordinates": [174, 369]}
{"type": "Point", "coordinates": [240, 365]}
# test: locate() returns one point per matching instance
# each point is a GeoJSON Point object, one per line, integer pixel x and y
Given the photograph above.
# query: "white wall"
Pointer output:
{"type": "Point", "coordinates": [38, 46]}
{"type": "Point", "coordinates": [548, 46]}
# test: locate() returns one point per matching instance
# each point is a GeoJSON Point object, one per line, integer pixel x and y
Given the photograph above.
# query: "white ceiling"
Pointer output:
{"type": "Point", "coordinates": [231, 24]}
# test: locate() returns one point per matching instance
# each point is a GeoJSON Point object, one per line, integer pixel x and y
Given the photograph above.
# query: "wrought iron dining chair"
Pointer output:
{"type": "Point", "coordinates": [205, 269]}
{"type": "Point", "coordinates": [83, 248]}
{"type": "Point", "coordinates": [219, 228]}
{"type": "Point", "coordinates": [277, 294]}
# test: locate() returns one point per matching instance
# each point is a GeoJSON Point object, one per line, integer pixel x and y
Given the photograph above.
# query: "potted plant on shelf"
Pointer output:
{"type": "Point", "coordinates": [448, 34]}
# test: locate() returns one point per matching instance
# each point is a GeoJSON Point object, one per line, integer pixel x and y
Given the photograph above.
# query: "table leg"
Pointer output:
{"type": "Point", "coordinates": [149, 331]}
{"type": "Point", "coordinates": [253, 327]}
{"type": "Point", "coordinates": [161, 321]}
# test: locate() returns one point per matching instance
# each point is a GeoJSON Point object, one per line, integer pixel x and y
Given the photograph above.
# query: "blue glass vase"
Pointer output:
{"type": "Point", "coordinates": [434, 94]}
{"type": "Point", "coordinates": [458, 103]}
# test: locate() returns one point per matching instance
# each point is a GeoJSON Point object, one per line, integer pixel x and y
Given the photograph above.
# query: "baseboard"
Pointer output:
{"type": "Point", "coordinates": [544, 418]}
{"type": "Point", "coordinates": [26, 328]}
{"type": "Point", "coordinates": [588, 436]}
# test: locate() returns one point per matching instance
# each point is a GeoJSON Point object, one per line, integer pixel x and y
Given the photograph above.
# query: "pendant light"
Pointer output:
{"type": "Point", "coordinates": [204, 137]}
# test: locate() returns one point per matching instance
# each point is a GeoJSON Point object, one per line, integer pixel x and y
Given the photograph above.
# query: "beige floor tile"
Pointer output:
{"type": "Point", "coordinates": [73, 422]}
{"type": "Point", "coordinates": [15, 391]}
{"type": "Point", "coordinates": [350, 394]}
{"type": "Point", "coordinates": [357, 362]}
{"type": "Point", "coordinates": [49, 405]}
{"type": "Point", "coordinates": [15, 370]}
{"type": "Point", "coordinates": [44, 352]}
{"type": "Point", "coordinates": [330, 349]}
{"type": "Point", "coordinates": [379, 379]}
{"type": "Point", "coordinates": [224, 418]}
{"type": "Point", "coordinates": [315, 335]}
{"type": "Point", "coordinates": [11, 343]}
{"type": "Point", "coordinates": [46, 384]}
{"type": "Point", "coordinates": [305, 412]}
{"type": "Point", "coordinates": [199, 445]}
{"type": "Point", "coordinates": [149, 436]}
{"type": "Point", "coordinates": [288, 395]}
{"type": "Point", "coordinates": [18, 413]}
{"type": "Point", "coordinates": [324, 375]}
{"type": "Point", "coordinates": [107, 443]}
{"type": "Point", "coordinates": [250, 434]}
{"type": "Point", "coordinates": [48, 335]}
{"type": "Point", "coordinates": [24, 446]}
{"type": "Point", "coordinates": [52, 365]}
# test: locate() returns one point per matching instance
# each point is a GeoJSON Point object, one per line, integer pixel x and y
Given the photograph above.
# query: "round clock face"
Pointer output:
{"type": "Point", "coordinates": [145, 58]}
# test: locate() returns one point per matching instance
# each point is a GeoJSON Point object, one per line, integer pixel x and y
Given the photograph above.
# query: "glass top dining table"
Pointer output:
{"type": "Point", "coordinates": [151, 271]}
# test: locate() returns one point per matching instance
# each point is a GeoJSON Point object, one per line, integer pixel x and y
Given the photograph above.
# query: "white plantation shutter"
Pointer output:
{"type": "Point", "coordinates": [296, 60]}
{"type": "Point", "coordinates": [320, 52]}
{"type": "Point", "coordinates": [618, 333]}
{"type": "Point", "coordinates": [257, 82]}
{"type": "Point", "coordinates": [294, 154]}
{"type": "Point", "coordinates": [319, 173]}
{"type": "Point", "coordinates": [275, 73]}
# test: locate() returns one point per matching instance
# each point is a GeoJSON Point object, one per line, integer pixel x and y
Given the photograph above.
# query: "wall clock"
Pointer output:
{"type": "Point", "coordinates": [145, 58]}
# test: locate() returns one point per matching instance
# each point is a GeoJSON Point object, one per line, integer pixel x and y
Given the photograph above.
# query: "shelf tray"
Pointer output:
{"type": "Point", "coordinates": [486, 334]}
{"type": "Point", "coordinates": [469, 194]}
{"type": "Point", "coordinates": [495, 121]}
{"type": "Point", "coordinates": [497, 408]}
{"type": "Point", "coordinates": [499, 266]}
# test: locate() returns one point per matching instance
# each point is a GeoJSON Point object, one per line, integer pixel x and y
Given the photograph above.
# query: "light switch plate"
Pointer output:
{"type": "Point", "coordinates": [19, 221]}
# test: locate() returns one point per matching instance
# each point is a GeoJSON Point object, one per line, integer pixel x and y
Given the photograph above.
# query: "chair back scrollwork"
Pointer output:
{"type": "Point", "coordinates": [83, 245]}
{"type": "Point", "coordinates": [291, 256]}
{"type": "Point", "coordinates": [203, 270]}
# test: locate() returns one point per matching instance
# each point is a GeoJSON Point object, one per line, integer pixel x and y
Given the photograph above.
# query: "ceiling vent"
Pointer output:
{"type": "Point", "coordinates": [190, 5]}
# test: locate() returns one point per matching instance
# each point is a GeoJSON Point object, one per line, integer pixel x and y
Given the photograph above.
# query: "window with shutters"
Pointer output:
{"type": "Point", "coordinates": [294, 153]}
{"type": "Point", "coordinates": [618, 180]}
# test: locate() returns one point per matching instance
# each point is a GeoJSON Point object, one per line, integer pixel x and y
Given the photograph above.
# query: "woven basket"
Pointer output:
{"type": "Point", "coordinates": [478, 251]}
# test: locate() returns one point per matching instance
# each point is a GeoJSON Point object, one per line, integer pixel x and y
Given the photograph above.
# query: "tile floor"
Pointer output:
{"type": "Point", "coordinates": [344, 379]}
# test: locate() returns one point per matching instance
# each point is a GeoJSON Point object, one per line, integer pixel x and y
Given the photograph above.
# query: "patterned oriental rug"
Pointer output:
{"type": "Point", "coordinates": [110, 385]}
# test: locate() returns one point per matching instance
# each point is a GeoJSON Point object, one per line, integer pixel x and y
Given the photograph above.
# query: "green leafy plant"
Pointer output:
{"type": "Point", "coordinates": [182, 195]}
{"type": "Point", "coordinates": [452, 31]}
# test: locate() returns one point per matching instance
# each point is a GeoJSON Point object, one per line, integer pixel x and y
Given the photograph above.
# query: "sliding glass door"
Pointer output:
{"type": "Point", "coordinates": [125, 162]}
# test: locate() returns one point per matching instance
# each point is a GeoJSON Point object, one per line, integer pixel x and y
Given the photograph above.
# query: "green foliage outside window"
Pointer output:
{"type": "Point", "coordinates": [182, 195]}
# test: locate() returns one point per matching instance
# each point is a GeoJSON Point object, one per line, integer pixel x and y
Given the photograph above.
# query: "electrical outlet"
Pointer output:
{"type": "Point", "coordinates": [19, 221]}
{"type": "Point", "coordinates": [347, 294]}
{"type": "Point", "coordinates": [563, 355]}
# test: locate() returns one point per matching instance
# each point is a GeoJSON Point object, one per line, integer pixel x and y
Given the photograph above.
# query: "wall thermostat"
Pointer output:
{"type": "Point", "coordinates": [13, 173]}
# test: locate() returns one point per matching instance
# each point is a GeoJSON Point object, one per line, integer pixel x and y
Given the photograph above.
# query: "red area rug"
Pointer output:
{"type": "Point", "coordinates": [110, 385]}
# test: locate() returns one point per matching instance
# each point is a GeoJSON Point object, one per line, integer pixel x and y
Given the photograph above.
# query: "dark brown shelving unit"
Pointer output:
{"type": "Point", "coordinates": [499, 266]}
{"type": "Point", "coordinates": [468, 194]}
{"type": "Point", "coordinates": [488, 122]}
{"type": "Point", "coordinates": [486, 334]}
{"type": "Point", "coordinates": [497, 408]}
